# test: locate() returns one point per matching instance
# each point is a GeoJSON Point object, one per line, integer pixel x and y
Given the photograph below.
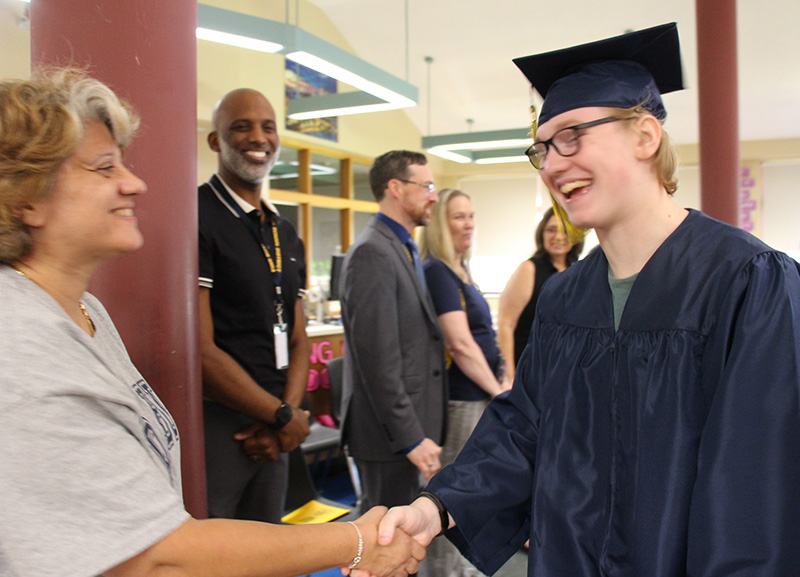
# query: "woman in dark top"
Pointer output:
{"type": "Point", "coordinates": [475, 366]}
{"type": "Point", "coordinates": [517, 306]}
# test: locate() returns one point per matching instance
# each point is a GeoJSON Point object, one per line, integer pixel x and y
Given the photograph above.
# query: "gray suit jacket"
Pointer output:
{"type": "Point", "coordinates": [395, 392]}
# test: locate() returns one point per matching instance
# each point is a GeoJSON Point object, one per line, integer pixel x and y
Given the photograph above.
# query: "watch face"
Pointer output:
{"type": "Point", "coordinates": [283, 415]}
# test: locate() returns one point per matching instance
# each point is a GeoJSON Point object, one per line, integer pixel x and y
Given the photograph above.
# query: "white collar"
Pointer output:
{"type": "Point", "coordinates": [246, 206]}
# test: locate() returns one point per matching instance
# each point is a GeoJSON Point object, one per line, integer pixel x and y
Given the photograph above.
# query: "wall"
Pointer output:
{"type": "Point", "coordinates": [15, 40]}
{"type": "Point", "coordinates": [223, 68]}
{"type": "Point", "coordinates": [504, 195]}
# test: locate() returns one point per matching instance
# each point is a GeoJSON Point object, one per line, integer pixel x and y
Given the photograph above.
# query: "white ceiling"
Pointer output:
{"type": "Point", "coordinates": [473, 41]}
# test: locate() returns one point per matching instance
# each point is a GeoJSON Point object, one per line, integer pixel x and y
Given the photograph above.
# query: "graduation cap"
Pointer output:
{"type": "Point", "coordinates": [621, 72]}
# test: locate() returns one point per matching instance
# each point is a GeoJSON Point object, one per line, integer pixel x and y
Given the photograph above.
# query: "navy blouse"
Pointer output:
{"type": "Point", "coordinates": [450, 293]}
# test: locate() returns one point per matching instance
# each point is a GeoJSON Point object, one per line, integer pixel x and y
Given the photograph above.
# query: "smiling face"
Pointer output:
{"type": "Point", "coordinates": [591, 185]}
{"type": "Point", "coordinates": [556, 243]}
{"type": "Point", "coordinates": [246, 138]}
{"type": "Point", "coordinates": [461, 220]}
{"type": "Point", "coordinates": [88, 215]}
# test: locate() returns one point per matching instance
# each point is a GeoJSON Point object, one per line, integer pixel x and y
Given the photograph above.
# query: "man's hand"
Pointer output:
{"type": "Point", "coordinates": [420, 520]}
{"type": "Point", "coordinates": [397, 558]}
{"type": "Point", "coordinates": [426, 458]}
{"type": "Point", "coordinates": [259, 442]}
{"type": "Point", "coordinates": [295, 432]}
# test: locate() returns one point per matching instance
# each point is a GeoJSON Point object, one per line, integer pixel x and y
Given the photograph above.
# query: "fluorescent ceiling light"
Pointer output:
{"type": "Point", "coordinates": [240, 41]}
{"type": "Point", "coordinates": [351, 78]}
{"type": "Point", "coordinates": [501, 159]}
{"type": "Point", "coordinates": [316, 170]}
{"type": "Point", "coordinates": [491, 144]}
{"type": "Point", "coordinates": [387, 91]}
{"type": "Point", "coordinates": [377, 90]}
{"type": "Point", "coordinates": [445, 153]}
{"type": "Point", "coordinates": [242, 30]}
{"type": "Point", "coordinates": [480, 147]}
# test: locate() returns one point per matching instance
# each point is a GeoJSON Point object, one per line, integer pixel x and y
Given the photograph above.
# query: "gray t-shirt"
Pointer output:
{"type": "Point", "coordinates": [89, 456]}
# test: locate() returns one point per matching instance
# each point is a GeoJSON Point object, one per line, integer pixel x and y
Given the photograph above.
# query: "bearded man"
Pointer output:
{"type": "Point", "coordinates": [254, 348]}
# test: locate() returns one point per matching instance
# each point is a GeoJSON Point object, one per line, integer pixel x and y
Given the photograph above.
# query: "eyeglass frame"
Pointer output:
{"type": "Point", "coordinates": [530, 153]}
{"type": "Point", "coordinates": [429, 185]}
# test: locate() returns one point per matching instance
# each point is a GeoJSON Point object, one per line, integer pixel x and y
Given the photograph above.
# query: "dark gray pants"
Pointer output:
{"type": "Point", "coordinates": [388, 483]}
{"type": "Point", "coordinates": [238, 488]}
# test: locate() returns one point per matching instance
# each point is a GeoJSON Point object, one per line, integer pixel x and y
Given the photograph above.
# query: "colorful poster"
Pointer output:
{"type": "Point", "coordinates": [302, 82]}
{"type": "Point", "coordinates": [750, 203]}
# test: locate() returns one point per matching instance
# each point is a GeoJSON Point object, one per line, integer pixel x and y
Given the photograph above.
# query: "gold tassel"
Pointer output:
{"type": "Point", "coordinates": [574, 234]}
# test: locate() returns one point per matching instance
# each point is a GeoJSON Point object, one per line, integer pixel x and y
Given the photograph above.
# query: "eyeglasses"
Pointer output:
{"type": "Point", "coordinates": [566, 142]}
{"type": "Point", "coordinates": [429, 185]}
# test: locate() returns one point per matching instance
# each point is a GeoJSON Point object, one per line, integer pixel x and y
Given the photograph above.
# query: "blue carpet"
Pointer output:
{"type": "Point", "coordinates": [328, 573]}
{"type": "Point", "coordinates": [338, 488]}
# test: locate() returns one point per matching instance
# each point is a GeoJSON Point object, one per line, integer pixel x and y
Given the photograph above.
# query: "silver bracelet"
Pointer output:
{"type": "Point", "coordinates": [357, 558]}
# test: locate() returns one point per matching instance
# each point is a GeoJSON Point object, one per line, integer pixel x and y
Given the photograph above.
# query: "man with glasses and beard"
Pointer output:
{"type": "Point", "coordinates": [395, 400]}
{"type": "Point", "coordinates": [254, 348]}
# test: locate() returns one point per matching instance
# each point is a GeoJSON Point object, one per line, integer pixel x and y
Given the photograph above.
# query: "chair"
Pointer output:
{"type": "Point", "coordinates": [336, 375]}
{"type": "Point", "coordinates": [327, 440]}
{"type": "Point", "coordinates": [321, 441]}
{"type": "Point", "coordinates": [301, 488]}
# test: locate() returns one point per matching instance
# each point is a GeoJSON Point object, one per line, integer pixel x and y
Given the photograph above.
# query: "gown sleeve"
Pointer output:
{"type": "Point", "coordinates": [744, 516]}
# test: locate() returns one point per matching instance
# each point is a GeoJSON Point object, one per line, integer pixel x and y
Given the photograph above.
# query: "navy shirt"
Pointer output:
{"type": "Point", "coordinates": [450, 293]}
{"type": "Point", "coordinates": [233, 266]}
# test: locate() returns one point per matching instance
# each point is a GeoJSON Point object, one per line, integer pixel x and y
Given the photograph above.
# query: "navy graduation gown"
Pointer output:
{"type": "Point", "coordinates": [670, 447]}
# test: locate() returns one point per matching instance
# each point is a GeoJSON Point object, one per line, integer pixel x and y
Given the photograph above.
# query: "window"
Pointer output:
{"type": "Point", "coordinates": [325, 193]}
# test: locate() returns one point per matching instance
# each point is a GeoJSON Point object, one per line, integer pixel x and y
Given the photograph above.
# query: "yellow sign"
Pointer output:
{"type": "Point", "coordinates": [314, 512]}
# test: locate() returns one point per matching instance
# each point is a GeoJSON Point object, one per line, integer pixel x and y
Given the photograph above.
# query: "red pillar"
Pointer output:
{"type": "Point", "coordinates": [146, 51]}
{"type": "Point", "coordinates": [719, 108]}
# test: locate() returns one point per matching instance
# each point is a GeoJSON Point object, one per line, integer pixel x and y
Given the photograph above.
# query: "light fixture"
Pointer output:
{"type": "Point", "coordinates": [377, 90]}
{"type": "Point", "coordinates": [291, 170]}
{"type": "Point", "coordinates": [489, 147]}
{"type": "Point", "coordinates": [241, 30]}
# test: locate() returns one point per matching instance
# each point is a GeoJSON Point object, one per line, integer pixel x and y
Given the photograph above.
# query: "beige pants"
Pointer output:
{"type": "Point", "coordinates": [443, 559]}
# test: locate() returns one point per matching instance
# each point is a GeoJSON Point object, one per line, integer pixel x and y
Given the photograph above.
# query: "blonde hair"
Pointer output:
{"type": "Point", "coordinates": [41, 124]}
{"type": "Point", "coordinates": [665, 160]}
{"type": "Point", "coordinates": [436, 241]}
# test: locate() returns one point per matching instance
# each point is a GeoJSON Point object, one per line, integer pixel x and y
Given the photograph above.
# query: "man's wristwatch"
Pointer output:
{"type": "Point", "coordinates": [283, 415]}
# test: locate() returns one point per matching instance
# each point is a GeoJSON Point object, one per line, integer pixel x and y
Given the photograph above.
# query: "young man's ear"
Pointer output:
{"type": "Point", "coordinates": [649, 132]}
{"type": "Point", "coordinates": [213, 140]}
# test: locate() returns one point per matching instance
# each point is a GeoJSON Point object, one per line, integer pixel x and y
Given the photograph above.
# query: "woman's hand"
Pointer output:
{"type": "Point", "coordinates": [397, 557]}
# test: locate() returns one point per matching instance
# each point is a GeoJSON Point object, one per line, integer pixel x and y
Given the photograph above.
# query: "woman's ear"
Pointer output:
{"type": "Point", "coordinates": [32, 215]}
{"type": "Point", "coordinates": [648, 130]}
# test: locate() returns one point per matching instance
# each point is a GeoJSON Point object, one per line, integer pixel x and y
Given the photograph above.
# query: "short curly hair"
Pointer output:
{"type": "Point", "coordinates": [41, 124]}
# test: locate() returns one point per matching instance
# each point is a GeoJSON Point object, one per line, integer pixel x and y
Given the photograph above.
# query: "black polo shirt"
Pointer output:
{"type": "Point", "coordinates": [233, 266]}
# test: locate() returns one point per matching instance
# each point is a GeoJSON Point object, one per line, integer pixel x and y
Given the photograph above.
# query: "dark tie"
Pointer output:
{"type": "Point", "coordinates": [412, 249]}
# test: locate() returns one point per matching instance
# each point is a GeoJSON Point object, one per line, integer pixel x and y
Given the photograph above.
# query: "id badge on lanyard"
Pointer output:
{"type": "Point", "coordinates": [281, 337]}
{"type": "Point", "coordinates": [280, 330]}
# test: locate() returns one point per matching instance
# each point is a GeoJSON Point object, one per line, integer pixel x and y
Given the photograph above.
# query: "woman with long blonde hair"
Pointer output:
{"type": "Point", "coordinates": [475, 365]}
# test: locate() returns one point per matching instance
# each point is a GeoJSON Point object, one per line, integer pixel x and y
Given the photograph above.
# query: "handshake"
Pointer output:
{"type": "Point", "coordinates": [392, 543]}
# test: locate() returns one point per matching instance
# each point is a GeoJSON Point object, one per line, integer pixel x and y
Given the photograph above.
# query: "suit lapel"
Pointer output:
{"type": "Point", "coordinates": [408, 266]}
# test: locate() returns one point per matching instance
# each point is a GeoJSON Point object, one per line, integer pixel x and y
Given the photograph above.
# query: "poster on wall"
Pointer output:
{"type": "Point", "coordinates": [750, 198]}
{"type": "Point", "coordinates": [302, 82]}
